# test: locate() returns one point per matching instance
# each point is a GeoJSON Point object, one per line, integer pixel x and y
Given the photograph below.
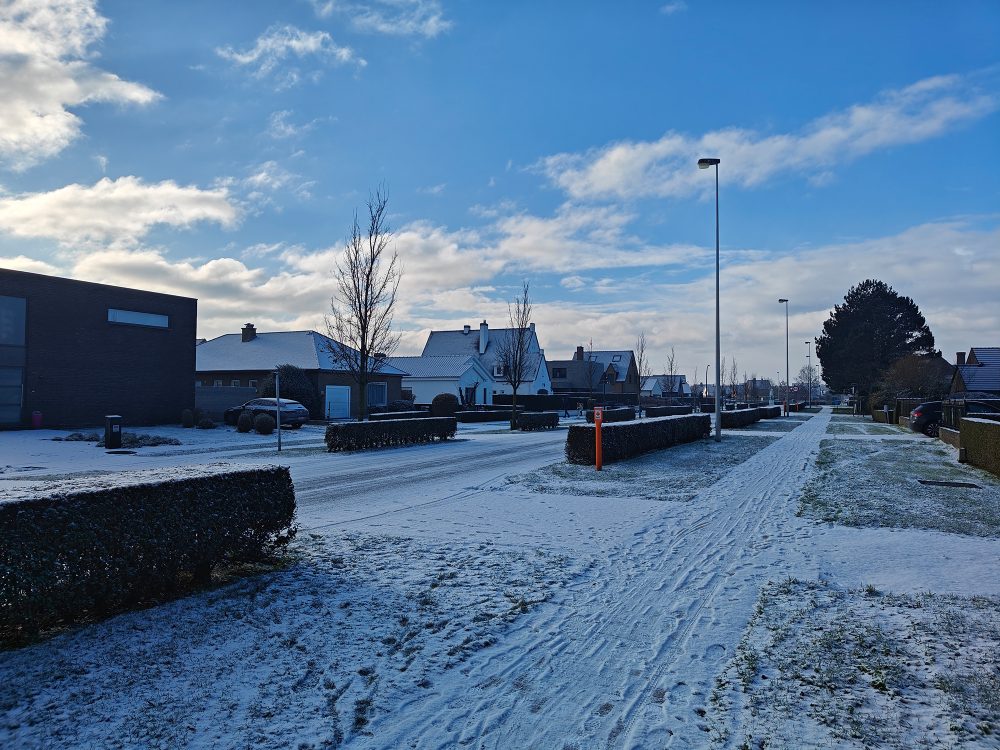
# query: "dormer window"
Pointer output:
{"type": "Point", "coordinates": [616, 358]}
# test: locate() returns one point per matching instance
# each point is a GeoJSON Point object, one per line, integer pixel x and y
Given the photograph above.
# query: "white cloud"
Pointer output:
{"type": "Point", "coordinates": [675, 7]}
{"type": "Point", "coordinates": [24, 263]}
{"type": "Point", "coordinates": [279, 43]}
{"type": "Point", "coordinates": [45, 70]}
{"type": "Point", "coordinates": [667, 167]}
{"type": "Point", "coordinates": [423, 18]}
{"type": "Point", "coordinates": [120, 211]}
{"type": "Point", "coordinates": [433, 189]}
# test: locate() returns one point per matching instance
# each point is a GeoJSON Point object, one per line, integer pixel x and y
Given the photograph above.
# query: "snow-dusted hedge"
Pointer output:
{"type": "Point", "coordinates": [493, 415]}
{"type": "Point", "coordinates": [739, 418]}
{"type": "Point", "coordinates": [768, 412]}
{"type": "Point", "coordinates": [399, 415]}
{"type": "Point", "coordinates": [78, 553]}
{"type": "Point", "coordinates": [667, 411]}
{"type": "Point", "coordinates": [624, 440]}
{"type": "Point", "coordinates": [981, 440]}
{"type": "Point", "coordinates": [355, 436]}
{"type": "Point", "coordinates": [537, 420]}
{"type": "Point", "coordinates": [624, 414]}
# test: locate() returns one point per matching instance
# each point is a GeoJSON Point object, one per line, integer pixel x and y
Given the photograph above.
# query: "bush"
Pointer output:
{"type": "Point", "coordinates": [295, 386]}
{"type": "Point", "coordinates": [132, 440]}
{"type": "Point", "coordinates": [354, 436]}
{"type": "Point", "coordinates": [738, 418]}
{"type": "Point", "coordinates": [399, 415]}
{"type": "Point", "coordinates": [205, 423]}
{"type": "Point", "coordinates": [492, 415]}
{"type": "Point", "coordinates": [537, 420]}
{"type": "Point", "coordinates": [667, 411]}
{"type": "Point", "coordinates": [444, 405]}
{"type": "Point", "coordinates": [614, 415]}
{"type": "Point", "coordinates": [264, 424]}
{"type": "Point", "coordinates": [768, 412]}
{"type": "Point", "coordinates": [393, 407]}
{"type": "Point", "coordinates": [79, 437]}
{"type": "Point", "coordinates": [981, 440]}
{"type": "Point", "coordinates": [187, 418]}
{"type": "Point", "coordinates": [708, 406]}
{"type": "Point", "coordinates": [244, 422]}
{"type": "Point", "coordinates": [621, 441]}
{"type": "Point", "coordinates": [77, 554]}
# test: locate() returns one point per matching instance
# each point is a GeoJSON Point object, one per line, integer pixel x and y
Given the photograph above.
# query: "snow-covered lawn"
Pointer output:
{"type": "Point", "coordinates": [825, 667]}
{"type": "Point", "coordinates": [860, 426]}
{"type": "Point", "coordinates": [876, 483]}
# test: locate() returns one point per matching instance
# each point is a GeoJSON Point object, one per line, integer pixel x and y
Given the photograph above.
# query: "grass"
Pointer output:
{"type": "Point", "coordinates": [822, 667]}
{"type": "Point", "coordinates": [859, 426]}
{"type": "Point", "coordinates": [873, 483]}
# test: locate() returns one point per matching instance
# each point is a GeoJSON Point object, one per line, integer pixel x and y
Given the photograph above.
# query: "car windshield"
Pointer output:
{"type": "Point", "coordinates": [285, 403]}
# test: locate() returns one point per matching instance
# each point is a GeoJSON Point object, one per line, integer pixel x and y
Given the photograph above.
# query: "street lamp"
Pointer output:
{"type": "Point", "coordinates": [788, 379]}
{"type": "Point", "coordinates": [809, 372]}
{"type": "Point", "coordinates": [705, 164]}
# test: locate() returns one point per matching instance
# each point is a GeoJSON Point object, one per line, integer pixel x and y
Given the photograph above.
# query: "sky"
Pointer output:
{"type": "Point", "coordinates": [220, 151]}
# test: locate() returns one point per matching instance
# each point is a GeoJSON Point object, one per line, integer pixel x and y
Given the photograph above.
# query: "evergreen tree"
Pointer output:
{"type": "Point", "coordinates": [873, 328]}
{"type": "Point", "coordinates": [295, 386]}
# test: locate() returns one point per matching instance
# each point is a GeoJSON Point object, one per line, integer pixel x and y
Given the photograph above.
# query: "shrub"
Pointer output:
{"type": "Point", "coordinates": [738, 418]}
{"type": "Point", "coordinates": [444, 405]}
{"type": "Point", "coordinates": [264, 424]}
{"type": "Point", "coordinates": [198, 414]}
{"type": "Point", "coordinates": [205, 423]}
{"type": "Point", "coordinates": [82, 553]}
{"type": "Point", "coordinates": [295, 386]}
{"type": "Point", "coordinates": [187, 418]}
{"type": "Point", "coordinates": [667, 411]}
{"type": "Point", "coordinates": [244, 422]}
{"type": "Point", "coordinates": [981, 440]}
{"type": "Point", "coordinates": [537, 420]}
{"type": "Point", "coordinates": [621, 441]}
{"type": "Point", "coordinates": [492, 415]}
{"type": "Point", "coordinates": [132, 440]}
{"type": "Point", "coordinates": [768, 412]}
{"type": "Point", "coordinates": [354, 436]}
{"type": "Point", "coordinates": [74, 437]}
{"type": "Point", "coordinates": [708, 407]}
{"type": "Point", "coordinates": [399, 415]}
{"type": "Point", "coordinates": [613, 415]}
{"type": "Point", "coordinates": [399, 405]}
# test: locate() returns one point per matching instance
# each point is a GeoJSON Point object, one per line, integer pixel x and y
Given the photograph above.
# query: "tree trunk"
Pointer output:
{"type": "Point", "coordinates": [513, 409]}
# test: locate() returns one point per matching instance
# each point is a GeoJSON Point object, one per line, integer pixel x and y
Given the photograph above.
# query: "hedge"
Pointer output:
{"type": "Point", "coordinates": [667, 411]}
{"type": "Point", "coordinates": [708, 407]}
{"type": "Point", "coordinates": [621, 441]}
{"type": "Point", "coordinates": [494, 415]}
{"type": "Point", "coordinates": [398, 415]}
{"type": "Point", "coordinates": [613, 415]}
{"type": "Point", "coordinates": [354, 436]}
{"type": "Point", "coordinates": [769, 412]}
{"type": "Point", "coordinates": [739, 418]}
{"type": "Point", "coordinates": [537, 420]}
{"type": "Point", "coordinates": [71, 554]}
{"type": "Point", "coordinates": [981, 440]}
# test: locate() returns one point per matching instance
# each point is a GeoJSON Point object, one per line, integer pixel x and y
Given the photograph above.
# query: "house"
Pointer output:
{"type": "Point", "coordinates": [242, 360]}
{"type": "Point", "coordinates": [605, 371]}
{"type": "Point", "coordinates": [979, 372]}
{"type": "Point", "coordinates": [75, 351]}
{"type": "Point", "coordinates": [458, 374]}
{"type": "Point", "coordinates": [666, 386]}
{"type": "Point", "coordinates": [484, 347]}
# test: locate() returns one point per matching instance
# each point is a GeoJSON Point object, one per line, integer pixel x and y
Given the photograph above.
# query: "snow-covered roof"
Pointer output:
{"type": "Point", "coordinates": [618, 359]}
{"type": "Point", "coordinates": [452, 343]}
{"type": "Point", "coordinates": [446, 366]}
{"type": "Point", "coordinates": [307, 350]}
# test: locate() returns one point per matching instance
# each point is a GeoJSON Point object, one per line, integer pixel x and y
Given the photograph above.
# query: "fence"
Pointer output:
{"type": "Point", "coordinates": [953, 410]}
{"type": "Point", "coordinates": [213, 400]}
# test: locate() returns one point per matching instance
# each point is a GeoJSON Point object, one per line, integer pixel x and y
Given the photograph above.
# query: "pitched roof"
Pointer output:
{"type": "Point", "coordinates": [605, 358]}
{"type": "Point", "coordinates": [446, 366]}
{"type": "Point", "coordinates": [986, 355]}
{"type": "Point", "coordinates": [451, 343]}
{"type": "Point", "coordinates": [980, 377]}
{"type": "Point", "coordinates": [679, 383]}
{"type": "Point", "coordinates": [308, 350]}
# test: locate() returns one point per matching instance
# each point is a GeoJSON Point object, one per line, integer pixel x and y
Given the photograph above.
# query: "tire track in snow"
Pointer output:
{"type": "Point", "coordinates": [556, 678]}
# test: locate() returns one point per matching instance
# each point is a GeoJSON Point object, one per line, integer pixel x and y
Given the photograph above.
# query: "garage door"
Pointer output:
{"type": "Point", "coordinates": [338, 402]}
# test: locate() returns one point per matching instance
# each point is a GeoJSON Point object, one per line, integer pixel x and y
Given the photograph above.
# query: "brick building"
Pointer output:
{"type": "Point", "coordinates": [76, 351]}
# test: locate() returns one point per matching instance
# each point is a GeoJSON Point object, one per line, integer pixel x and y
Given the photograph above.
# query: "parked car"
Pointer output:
{"type": "Point", "coordinates": [293, 414]}
{"type": "Point", "coordinates": [925, 418]}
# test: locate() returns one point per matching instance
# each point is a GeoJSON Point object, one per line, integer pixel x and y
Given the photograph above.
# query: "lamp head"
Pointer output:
{"type": "Point", "coordinates": [706, 163]}
{"type": "Point", "coordinates": [782, 300]}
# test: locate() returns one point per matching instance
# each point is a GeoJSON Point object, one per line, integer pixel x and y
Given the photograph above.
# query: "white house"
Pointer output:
{"type": "Point", "coordinates": [461, 375]}
{"type": "Point", "coordinates": [666, 386]}
{"type": "Point", "coordinates": [482, 345]}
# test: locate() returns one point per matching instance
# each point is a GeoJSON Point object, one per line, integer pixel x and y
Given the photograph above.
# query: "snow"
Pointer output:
{"type": "Point", "coordinates": [556, 610]}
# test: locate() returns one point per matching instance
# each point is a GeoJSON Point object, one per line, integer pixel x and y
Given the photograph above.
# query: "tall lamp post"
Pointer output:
{"type": "Point", "coordinates": [788, 379]}
{"type": "Point", "coordinates": [809, 372]}
{"type": "Point", "coordinates": [705, 164]}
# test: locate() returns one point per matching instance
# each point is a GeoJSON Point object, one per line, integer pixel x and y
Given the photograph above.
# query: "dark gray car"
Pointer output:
{"type": "Point", "coordinates": [293, 414]}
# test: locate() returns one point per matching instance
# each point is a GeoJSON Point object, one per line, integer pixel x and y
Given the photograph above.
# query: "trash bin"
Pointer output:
{"type": "Point", "coordinates": [112, 431]}
{"type": "Point", "coordinates": [36, 420]}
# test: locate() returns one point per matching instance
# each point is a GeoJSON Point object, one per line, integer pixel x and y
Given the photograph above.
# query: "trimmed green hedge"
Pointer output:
{"type": "Point", "coordinates": [537, 420]}
{"type": "Point", "coordinates": [621, 441]}
{"type": "Point", "coordinates": [668, 411]}
{"type": "Point", "coordinates": [74, 554]}
{"type": "Point", "coordinates": [739, 418]}
{"type": "Point", "coordinates": [399, 415]}
{"type": "Point", "coordinates": [356, 436]}
{"type": "Point", "coordinates": [494, 415]}
{"type": "Point", "coordinates": [981, 440]}
{"type": "Point", "coordinates": [614, 415]}
{"type": "Point", "coordinates": [768, 412]}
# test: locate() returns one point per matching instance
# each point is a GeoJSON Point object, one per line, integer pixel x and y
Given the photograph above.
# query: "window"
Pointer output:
{"type": "Point", "coordinates": [251, 383]}
{"type": "Point", "coordinates": [235, 383]}
{"type": "Point", "coordinates": [377, 394]}
{"type": "Point", "coordinates": [217, 382]}
{"type": "Point", "coordinates": [558, 372]}
{"type": "Point", "coordinates": [498, 371]}
{"type": "Point", "coordinates": [616, 358]}
{"type": "Point", "coordinates": [133, 318]}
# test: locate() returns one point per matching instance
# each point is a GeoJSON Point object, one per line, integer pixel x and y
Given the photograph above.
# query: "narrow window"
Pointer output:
{"type": "Point", "coordinates": [133, 318]}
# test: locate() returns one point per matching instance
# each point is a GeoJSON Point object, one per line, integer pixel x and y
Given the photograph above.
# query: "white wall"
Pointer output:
{"type": "Point", "coordinates": [425, 389]}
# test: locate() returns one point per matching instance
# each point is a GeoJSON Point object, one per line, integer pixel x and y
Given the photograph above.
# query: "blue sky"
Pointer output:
{"type": "Point", "coordinates": [219, 150]}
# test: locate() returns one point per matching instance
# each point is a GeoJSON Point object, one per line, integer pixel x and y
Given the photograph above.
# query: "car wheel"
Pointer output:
{"type": "Point", "coordinates": [931, 429]}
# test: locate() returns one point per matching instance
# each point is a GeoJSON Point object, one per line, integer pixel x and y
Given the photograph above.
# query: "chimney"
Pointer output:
{"type": "Point", "coordinates": [378, 356]}
{"type": "Point", "coordinates": [532, 327]}
{"type": "Point", "coordinates": [249, 332]}
{"type": "Point", "coordinates": [466, 330]}
{"type": "Point", "coordinates": [960, 358]}
{"type": "Point", "coordinates": [579, 354]}
{"type": "Point", "coordinates": [484, 337]}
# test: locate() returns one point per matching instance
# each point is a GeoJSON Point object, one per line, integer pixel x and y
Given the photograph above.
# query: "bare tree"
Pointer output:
{"type": "Point", "coordinates": [361, 309]}
{"type": "Point", "coordinates": [514, 355]}
{"type": "Point", "coordinates": [734, 374]}
{"type": "Point", "coordinates": [467, 396]}
{"type": "Point", "coordinates": [641, 365]}
{"type": "Point", "coordinates": [670, 369]}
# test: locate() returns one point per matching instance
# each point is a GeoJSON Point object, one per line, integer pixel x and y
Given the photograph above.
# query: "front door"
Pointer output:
{"type": "Point", "coordinates": [338, 402]}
